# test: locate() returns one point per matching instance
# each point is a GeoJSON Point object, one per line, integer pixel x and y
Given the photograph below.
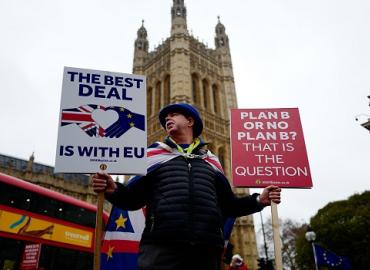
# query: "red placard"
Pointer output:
{"type": "Point", "coordinates": [268, 148]}
{"type": "Point", "coordinates": [31, 256]}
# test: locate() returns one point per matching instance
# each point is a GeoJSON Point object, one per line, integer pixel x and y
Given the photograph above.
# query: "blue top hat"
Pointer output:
{"type": "Point", "coordinates": [185, 109]}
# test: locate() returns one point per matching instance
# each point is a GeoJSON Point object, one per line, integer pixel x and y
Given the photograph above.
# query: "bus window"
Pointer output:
{"type": "Point", "coordinates": [57, 258]}
{"type": "Point", "coordinates": [11, 255]}
{"type": "Point", "coordinates": [45, 206]}
{"type": "Point", "coordinates": [14, 197]}
{"type": "Point", "coordinates": [84, 217]}
{"type": "Point", "coordinates": [37, 203]}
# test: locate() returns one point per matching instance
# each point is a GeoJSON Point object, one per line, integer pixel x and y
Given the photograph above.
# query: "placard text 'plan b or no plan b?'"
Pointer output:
{"type": "Point", "coordinates": [268, 148]}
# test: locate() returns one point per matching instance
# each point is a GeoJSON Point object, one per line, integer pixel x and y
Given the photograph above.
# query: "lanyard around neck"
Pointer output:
{"type": "Point", "coordinates": [190, 148]}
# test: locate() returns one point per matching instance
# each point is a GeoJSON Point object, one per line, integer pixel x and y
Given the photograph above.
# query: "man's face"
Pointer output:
{"type": "Point", "coordinates": [177, 123]}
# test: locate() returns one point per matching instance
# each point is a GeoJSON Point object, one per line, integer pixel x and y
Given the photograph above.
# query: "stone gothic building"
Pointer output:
{"type": "Point", "coordinates": [183, 69]}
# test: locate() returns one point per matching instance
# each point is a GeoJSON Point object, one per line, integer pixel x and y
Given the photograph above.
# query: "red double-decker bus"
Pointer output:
{"type": "Point", "coordinates": [43, 229]}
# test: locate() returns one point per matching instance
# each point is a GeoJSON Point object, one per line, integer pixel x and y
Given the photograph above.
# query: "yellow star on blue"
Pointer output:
{"type": "Point", "coordinates": [110, 253]}
{"type": "Point", "coordinates": [121, 222]}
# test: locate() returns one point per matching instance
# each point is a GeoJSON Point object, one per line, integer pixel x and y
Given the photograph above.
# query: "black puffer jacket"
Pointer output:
{"type": "Point", "coordinates": [187, 202]}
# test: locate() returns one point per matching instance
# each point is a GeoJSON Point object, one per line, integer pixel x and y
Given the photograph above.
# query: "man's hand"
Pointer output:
{"type": "Point", "coordinates": [270, 194]}
{"type": "Point", "coordinates": [103, 182]}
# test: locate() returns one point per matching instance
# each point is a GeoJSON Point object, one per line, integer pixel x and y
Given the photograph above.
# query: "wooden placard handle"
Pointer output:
{"type": "Point", "coordinates": [276, 235]}
{"type": "Point", "coordinates": [98, 230]}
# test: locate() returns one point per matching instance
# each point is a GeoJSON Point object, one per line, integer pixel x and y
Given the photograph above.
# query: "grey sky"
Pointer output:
{"type": "Point", "coordinates": [314, 55]}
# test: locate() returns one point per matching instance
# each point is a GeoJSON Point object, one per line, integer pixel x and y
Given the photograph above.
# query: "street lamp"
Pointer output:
{"type": "Point", "coordinates": [367, 119]}
{"type": "Point", "coordinates": [365, 124]}
{"type": "Point", "coordinates": [311, 237]}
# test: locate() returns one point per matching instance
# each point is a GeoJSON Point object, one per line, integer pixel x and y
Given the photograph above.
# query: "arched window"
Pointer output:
{"type": "Point", "coordinates": [216, 99]}
{"type": "Point", "coordinates": [195, 88]}
{"type": "Point", "coordinates": [205, 86]}
{"type": "Point", "coordinates": [167, 90]}
{"type": "Point", "coordinates": [157, 96]}
{"type": "Point", "coordinates": [221, 156]}
{"type": "Point", "coordinates": [149, 104]}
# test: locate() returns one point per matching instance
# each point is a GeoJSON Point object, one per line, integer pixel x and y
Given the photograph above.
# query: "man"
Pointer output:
{"type": "Point", "coordinates": [187, 197]}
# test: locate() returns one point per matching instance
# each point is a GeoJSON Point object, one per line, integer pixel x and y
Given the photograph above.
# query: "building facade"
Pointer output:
{"type": "Point", "coordinates": [183, 69]}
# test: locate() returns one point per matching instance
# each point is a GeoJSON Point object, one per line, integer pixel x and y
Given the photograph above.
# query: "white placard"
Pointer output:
{"type": "Point", "coordinates": [102, 123]}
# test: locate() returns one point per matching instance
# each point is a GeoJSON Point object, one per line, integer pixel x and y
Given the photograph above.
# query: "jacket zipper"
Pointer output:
{"type": "Point", "coordinates": [191, 202]}
{"type": "Point", "coordinates": [152, 222]}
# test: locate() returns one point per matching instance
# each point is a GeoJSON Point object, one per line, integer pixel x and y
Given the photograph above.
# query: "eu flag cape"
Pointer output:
{"type": "Point", "coordinates": [121, 239]}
